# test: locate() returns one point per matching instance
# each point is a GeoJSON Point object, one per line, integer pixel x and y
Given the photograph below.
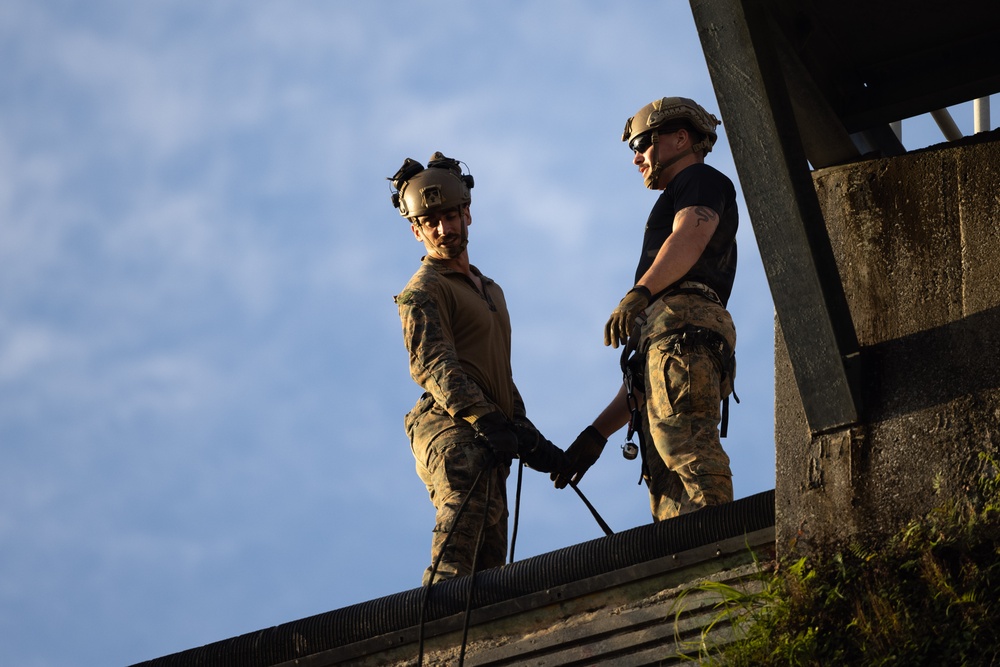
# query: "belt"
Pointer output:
{"type": "Point", "coordinates": [694, 287]}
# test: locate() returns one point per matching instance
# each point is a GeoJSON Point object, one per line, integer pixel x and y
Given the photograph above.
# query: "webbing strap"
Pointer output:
{"type": "Point", "coordinates": [698, 336]}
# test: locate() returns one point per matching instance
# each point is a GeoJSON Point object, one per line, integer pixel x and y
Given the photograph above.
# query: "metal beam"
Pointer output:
{"type": "Point", "coordinates": [774, 175]}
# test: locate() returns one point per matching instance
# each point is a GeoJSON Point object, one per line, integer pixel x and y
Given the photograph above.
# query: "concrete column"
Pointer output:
{"type": "Point", "coordinates": [917, 244]}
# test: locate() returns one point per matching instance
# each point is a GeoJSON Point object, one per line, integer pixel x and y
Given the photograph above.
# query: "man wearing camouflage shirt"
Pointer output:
{"type": "Point", "coordinates": [675, 318]}
{"type": "Point", "coordinates": [470, 422]}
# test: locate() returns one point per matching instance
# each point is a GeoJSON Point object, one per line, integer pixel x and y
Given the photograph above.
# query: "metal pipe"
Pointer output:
{"type": "Point", "coordinates": [947, 125]}
{"type": "Point", "coordinates": [981, 114]}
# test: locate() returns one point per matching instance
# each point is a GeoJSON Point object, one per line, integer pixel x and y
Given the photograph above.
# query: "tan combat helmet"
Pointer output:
{"type": "Point", "coordinates": [667, 111]}
{"type": "Point", "coordinates": [441, 186]}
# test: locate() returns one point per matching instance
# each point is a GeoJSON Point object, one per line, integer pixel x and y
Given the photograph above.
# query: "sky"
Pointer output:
{"type": "Point", "coordinates": [202, 372]}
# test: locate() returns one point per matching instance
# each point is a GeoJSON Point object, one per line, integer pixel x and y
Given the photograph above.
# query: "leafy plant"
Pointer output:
{"type": "Point", "coordinates": [930, 596]}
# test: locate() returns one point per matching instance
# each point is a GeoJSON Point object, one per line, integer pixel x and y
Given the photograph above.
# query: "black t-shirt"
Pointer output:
{"type": "Point", "coordinates": [697, 185]}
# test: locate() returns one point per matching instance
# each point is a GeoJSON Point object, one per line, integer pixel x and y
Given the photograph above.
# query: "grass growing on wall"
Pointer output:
{"type": "Point", "coordinates": [931, 596]}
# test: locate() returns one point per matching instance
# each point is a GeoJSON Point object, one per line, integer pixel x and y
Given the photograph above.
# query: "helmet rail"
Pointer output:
{"type": "Point", "coordinates": [441, 185]}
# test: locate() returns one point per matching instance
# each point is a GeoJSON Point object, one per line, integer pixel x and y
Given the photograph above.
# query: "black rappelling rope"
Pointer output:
{"type": "Point", "coordinates": [437, 561]}
{"type": "Point", "coordinates": [517, 508]}
{"type": "Point", "coordinates": [472, 582]}
{"type": "Point", "coordinates": [604, 526]}
{"type": "Point", "coordinates": [475, 561]}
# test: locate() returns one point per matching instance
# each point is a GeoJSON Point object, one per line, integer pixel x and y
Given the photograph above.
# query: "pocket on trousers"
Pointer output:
{"type": "Point", "coordinates": [688, 382]}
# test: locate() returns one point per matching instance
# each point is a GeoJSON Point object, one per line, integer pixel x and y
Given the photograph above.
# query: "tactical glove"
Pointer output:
{"type": "Point", "coordinates": [582, 454]}
{"type": "Point", "coordinates": [497, 431]}
{"type": "Point", "coordinates": [619, 326]}
{"type": "Point", "coordinates": [538, 453]}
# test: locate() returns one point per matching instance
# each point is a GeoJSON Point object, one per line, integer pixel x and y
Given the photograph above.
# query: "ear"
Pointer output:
{"type": "Point", "coordinates": [467, 214]}
{"type": "Point", "coordinates": [683, 138]}
{"type": "Point", "coordinates": [415, 228]}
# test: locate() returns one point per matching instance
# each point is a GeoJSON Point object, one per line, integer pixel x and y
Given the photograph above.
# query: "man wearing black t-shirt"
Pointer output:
{"type": "Point", "coordinates": [679, 339]}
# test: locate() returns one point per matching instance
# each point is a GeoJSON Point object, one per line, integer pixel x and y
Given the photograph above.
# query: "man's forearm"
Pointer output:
{"type": "Point", "coordinates": [614, 416]}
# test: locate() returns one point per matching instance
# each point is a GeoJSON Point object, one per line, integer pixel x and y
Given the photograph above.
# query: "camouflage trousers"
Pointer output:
{"type": "Point", "coordinates": [686, 467]}
{"type": "Point", "coordinates": [449, 461]}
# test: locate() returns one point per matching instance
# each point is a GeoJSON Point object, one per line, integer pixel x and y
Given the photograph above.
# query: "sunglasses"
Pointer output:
{"type": "Point", "coordinates": [642, 143]}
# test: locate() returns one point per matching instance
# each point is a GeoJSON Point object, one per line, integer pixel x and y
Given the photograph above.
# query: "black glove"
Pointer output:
{"type": "Point", "coordinates": [538, 453]}
{"type": "Point", "coordinates": [499, 434]}
{"type": "Point", "coordinates": [582, 454]}
{"type": "Point", "coordinates": [619, 326]}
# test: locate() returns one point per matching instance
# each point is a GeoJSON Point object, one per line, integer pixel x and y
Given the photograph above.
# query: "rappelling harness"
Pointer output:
{"type": "Point", "coordinates": [633, 364]}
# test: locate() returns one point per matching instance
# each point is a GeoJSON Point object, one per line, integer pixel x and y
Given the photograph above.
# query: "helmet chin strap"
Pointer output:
{"type": "Point", "coordinates": [653, 176]}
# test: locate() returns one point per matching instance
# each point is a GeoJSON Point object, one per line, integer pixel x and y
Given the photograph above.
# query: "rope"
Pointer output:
{"type": "Point", "coordinates": [437, 561]}
{"type": "Point", "coordinates": [517, 509]}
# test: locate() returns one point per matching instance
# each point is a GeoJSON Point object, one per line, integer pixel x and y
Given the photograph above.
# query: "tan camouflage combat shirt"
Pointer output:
{"type": "Point", "coordinates": [458, 340]}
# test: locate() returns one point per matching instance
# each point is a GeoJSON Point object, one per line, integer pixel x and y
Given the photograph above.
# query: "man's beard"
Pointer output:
{"type": "Point", "coordinates": [453, 250]}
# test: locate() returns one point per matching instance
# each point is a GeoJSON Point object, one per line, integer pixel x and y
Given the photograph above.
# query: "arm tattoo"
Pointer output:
{"type": "Point", "coordinates": [704, 214]}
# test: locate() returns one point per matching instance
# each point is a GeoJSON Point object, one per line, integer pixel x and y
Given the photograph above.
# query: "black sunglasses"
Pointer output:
{"type": "Point", "coordinates": [642, 143]}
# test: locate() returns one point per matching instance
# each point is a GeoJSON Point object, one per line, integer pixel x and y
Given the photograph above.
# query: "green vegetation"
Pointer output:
{"type": "Point", "coordinates": [931, 596]}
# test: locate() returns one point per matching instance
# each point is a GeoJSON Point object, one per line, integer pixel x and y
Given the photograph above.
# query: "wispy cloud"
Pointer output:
{"type": "Point", "coordinates": [202, 376]}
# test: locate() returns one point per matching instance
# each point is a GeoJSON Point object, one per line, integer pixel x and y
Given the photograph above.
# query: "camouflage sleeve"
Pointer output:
{"type": "Point", "coordinates": [533, 448]}
{"type": "Point", "coordinates": [520, 412]}
{"type": "Point", "coordinates": [434, 363]}
{"type": "Point", "coordinates": [527, 431]}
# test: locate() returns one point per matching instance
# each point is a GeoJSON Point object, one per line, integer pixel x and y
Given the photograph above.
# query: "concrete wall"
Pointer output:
{"type": "Point", "coordinates": [917, 242]}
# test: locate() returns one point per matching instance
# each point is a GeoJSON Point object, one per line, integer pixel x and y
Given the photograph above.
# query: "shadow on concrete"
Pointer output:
{"type": "Point", "coordinates": [933, 367]}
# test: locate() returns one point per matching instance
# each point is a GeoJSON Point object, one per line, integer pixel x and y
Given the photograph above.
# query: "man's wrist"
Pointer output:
{"type": "Point", "coordinates": [643, 290]}
{"type": "Point", "coordinates": [473, 413]}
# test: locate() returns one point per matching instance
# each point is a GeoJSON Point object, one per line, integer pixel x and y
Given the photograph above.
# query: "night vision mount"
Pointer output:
{"type": "Point", "coordinates": [417, 190]}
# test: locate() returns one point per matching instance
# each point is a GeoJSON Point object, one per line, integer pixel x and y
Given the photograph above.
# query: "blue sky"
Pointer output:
{"type": "Point", "coordinates": [202, 376]}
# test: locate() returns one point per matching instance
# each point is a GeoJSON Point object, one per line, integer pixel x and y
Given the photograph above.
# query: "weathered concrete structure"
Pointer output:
{"type": "Point", "coordinates": [917, 244]}
{"type": "Point", "coordinates": [882, 264]}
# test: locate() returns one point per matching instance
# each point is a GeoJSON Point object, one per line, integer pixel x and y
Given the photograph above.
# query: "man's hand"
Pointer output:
{"type": "Point", "coordinates": [582, 454]}
{"type": "Point", "coordinates": [499, 434]}
{"type": "Point", "coordinates": [619, 326]}
{"type": "Point", "coordinates": [538, 453]}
